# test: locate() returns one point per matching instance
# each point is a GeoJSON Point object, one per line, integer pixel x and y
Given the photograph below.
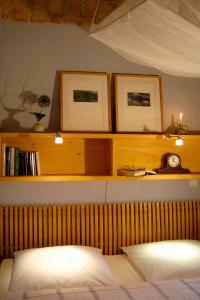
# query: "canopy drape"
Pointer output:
{"type": "Point", "coordinates": [163, 34]}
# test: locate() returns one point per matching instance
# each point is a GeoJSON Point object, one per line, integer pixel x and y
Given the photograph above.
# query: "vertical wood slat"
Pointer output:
{"type": "Point", "coordinates": [170, 221]}
{"type": "Point", "coordinates": [73, 228]}
{"type": "Point", "coordinates": [182, 220]}
{"type": "Point", "coordinates": [154, 221]}
{"type": "Point", "coordinates": [11, 231]}
{"type": "Point", "coordinates": [96, 225]}
{"type": "Point", "coordinates": [30, 227]}
{"type": "Point", "coordinates": [194, 220]}
{"type": "Point", "coordinates": [78, 224]}
{"type": "Point", "coordinates": [174, 221]}
{"type": "Point", "coordinates": [145, 208]}
{"type": "Point", "coordinates": [150, 234]}
{"type": "Point", "coordinates": [7, 231]}
{"type": "Point", "coordinates": [190, 221]}
{"type": "Point", "coordinates": [105, 217]}
{"type": "Point", "coordinates": [178, 220]}
{"type": "Point", "coordinates": [166, 214]}
{"type": "Point", "coordinates": [158, 221]}
{"type": "Point", "coordinates": [45, 225]}
{"type": "Point", "coordinates": [83, 225]}
{"type": "Point", "coordinates": [132, 224]}
{"type": "Point", "coordinates": [21, 231]}
{"type": "Point", "coordinates": [55, 224]}
{"type": "Point", "coordinates": [59, 243]}
{"type": "Point", "coordinates": [26, 227]}
{"type": "Point", "coordinates": [110, 229]}
{"type": "Point", "coordinates": [162, 220]}
{"type": "Point", "coordinates": [40, 227]}
{"type": "Point", "coordinates": [114, 228]}
{"type": "Point", "coordinates": [64, 225]}
{"type": "Point", "coordinates": [101, 240]}
{"type": "Point", "coordinates": [186, 220]}
{"type": "Point", "coordinates": [123, 224]}
{"type": "Point", "coordinates": [69, 224]}
{"type": "Point", "coordinates": [91, 217]}
{"type": "Point", "coordinates": [88, 225]}
{"type": "Point", "coordinates": [108, 226]}
{"type": "Point", "coordinates": [141, 222]}
{"type": "Point", "coordinates": [136, 223]}
{"type": "Point", "coordinates": [128, 229]}
{"type": "Point", "coordinates": [119, 228]}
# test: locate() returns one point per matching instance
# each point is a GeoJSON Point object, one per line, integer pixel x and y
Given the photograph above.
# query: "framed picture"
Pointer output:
{"type": "Point", "coordinates": [85, 101]}
{"type": "Point", "coordinates": [138, 103]}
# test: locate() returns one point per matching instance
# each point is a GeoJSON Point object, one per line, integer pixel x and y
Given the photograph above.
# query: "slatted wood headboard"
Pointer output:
{"type": "Point", "coordinates": [107, 226]}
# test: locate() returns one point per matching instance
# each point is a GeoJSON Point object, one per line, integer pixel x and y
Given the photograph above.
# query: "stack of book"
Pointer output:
{"type": "Point", "coordinates": [19, 163]}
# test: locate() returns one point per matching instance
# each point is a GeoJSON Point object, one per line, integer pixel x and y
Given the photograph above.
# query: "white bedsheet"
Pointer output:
{"type": "Point", "coordinates": [188, 289]}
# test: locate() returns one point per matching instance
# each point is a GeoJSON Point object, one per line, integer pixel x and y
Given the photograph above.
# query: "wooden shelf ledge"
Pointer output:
{"type": "Point", "coordinates": [56, 178]}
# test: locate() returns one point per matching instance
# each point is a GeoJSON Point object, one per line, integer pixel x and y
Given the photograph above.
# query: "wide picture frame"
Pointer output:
{"type": "Point", "coordinates": [138, 103]}
{"type": "Point", "coordinates": [85, 101]}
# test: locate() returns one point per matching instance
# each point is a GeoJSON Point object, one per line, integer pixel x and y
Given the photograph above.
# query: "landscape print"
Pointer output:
{"type": "Point", "coordinates": [85, 96]}
{"type": "Point", "coordinates": [138, 99]}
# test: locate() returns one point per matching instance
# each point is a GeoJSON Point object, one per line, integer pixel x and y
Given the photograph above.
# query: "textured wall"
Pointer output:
{"type": "Point", "coordinates": [40, 51]}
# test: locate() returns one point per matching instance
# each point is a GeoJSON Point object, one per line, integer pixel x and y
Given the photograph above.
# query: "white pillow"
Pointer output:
{"type": "Point", "coordinates": [176, 259]}
{"type": "Point", "coordinates": [62, 266]}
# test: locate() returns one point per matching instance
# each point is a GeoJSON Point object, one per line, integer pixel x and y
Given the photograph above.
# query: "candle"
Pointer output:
{"type": "Point", "coordinates": [180, 117]}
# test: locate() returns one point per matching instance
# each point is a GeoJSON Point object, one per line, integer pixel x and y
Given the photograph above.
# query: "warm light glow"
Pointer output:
{"type": "Point", "coordinates": [58, 138]}
{"type": "Point", "coordinates": [180, 117]}
{"type": "Point", "coordinates": [175, 252]}
{"type": "Point", "coordinates": [179, 141]}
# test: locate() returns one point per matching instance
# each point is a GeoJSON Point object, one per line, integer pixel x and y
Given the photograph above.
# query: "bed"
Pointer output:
{"type": "Point", "coordinates": [120, 238]}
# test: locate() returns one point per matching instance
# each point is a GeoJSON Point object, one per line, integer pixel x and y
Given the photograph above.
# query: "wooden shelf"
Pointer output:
{"type": "Point", "coordinates": [60, 178]}
{"type": "Point", "coordinates": [98, 156]}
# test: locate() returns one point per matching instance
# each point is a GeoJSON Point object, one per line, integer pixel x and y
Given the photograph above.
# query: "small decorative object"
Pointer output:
{"type": "Point", "coordinates": [28, 99]}
{"type": "Point", "coordinates": [138, 103]}
{"type": "Point", "coordinates": [179, 129]}
{"type": "Point", "coordinates": [171, 164]}
{"type": "Point", "coordinates": [85, 101]}
{"type": "Point", "coordinates": [131, 171]}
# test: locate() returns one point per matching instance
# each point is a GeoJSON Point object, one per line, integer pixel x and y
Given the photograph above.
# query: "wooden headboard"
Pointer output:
{"type": "Point", "coordinates": [107, 226]}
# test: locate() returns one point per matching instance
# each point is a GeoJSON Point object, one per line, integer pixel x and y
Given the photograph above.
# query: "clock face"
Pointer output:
{"type": "Point", "coordinates": [173, 161]}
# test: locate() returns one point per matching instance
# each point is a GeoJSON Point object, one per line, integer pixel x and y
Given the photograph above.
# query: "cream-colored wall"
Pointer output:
{"type": "Point", "coordinates": [41, 51]}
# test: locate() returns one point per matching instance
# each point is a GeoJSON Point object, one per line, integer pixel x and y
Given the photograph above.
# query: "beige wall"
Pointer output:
{"type": "Point", "coordinates": [41, 50]}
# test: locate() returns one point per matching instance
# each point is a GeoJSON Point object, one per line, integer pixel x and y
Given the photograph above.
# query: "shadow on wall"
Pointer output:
{"type": "Point", "coordinates": [10, 123]}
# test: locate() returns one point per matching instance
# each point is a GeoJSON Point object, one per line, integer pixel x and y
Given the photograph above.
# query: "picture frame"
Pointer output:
{"type": "Point", "coordinates": [138, 103]}
{"type": "Point", "coordinates": [85, 101]}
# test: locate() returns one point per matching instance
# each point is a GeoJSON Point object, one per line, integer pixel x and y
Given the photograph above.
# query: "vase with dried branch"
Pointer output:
{"type": "Point", "coordinates": [28, 100]}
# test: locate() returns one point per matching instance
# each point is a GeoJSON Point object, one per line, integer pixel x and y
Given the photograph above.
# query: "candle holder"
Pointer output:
{"type": "Point", "coordinates": [177, 130]}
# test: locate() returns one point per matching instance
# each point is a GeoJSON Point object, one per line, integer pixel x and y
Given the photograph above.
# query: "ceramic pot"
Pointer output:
{"type": "Point", "coordinates": [39, 127]}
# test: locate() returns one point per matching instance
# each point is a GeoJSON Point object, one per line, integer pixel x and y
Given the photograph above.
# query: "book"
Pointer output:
{"type": "Point", "coordinates": [7, 161]}
{"type": "Point", "coordinates": [16, 172]}
{"type": "Point", "coordinates": [3, 162]}
{"type": "Point", "coordinates": [38, 172]}
{"type": "Point", "coordinates": [12, 161]}
{"type": "Point", "coordinates": [22, 170]}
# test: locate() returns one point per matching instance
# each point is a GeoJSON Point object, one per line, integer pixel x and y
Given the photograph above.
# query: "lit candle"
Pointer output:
{"type": "Point", "coordinates": [180, 117]}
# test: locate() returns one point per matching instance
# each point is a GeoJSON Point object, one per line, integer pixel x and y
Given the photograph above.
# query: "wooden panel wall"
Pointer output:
{"type": "Point", "coordinates": [107, 226]}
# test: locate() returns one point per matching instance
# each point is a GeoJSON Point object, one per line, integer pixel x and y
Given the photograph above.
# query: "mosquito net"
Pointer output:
{"type": "Point", "coordinates": [164, 34]}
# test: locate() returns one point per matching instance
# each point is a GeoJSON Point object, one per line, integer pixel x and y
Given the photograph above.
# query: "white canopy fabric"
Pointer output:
{"type": "Point", "coordinates": [163, 34]}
